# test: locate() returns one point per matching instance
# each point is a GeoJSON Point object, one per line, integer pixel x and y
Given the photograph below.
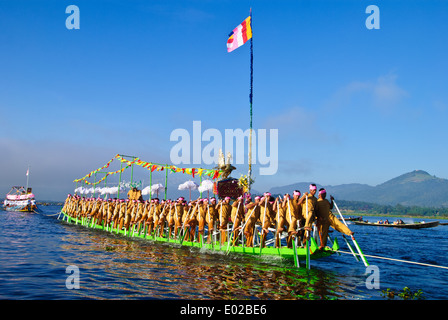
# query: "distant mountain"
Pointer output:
{"type": "Point", "coordinates": [416, 188]}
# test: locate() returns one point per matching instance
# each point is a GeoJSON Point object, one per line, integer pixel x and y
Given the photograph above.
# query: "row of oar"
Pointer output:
{"type": "Point", "coordinates": [307, 243]}
{"type": "Point", "coordinates": [294, 240]}
{"type": "Point", "coordinates": [361, 254]}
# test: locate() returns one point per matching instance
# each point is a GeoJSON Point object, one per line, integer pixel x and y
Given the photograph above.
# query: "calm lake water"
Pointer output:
{"type": "Point", "coordinates": [37, 249]}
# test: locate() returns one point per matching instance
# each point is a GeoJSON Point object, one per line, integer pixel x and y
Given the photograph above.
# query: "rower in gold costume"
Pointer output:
{"type": "Point", "coordinates": [294, 215]}
{"type": "Point", "coordinates": [211, 217]}
{"type": "Point", "coordinates": [225, 210]}
{"type": "Point", "coordinates": [309, 203]}
{"type": "Point", "coordinates": [178, 214]}
{"type": "Point", "coordinates": [267, 216]}
{"type": "Point", "coordinates": [201, 217]}
{"type": "Point", "coordinates": [237, 217]}
{"type": "Point", "coordinates": [252, 215]}
{"type": "Point", "coordinates": [325, 218]}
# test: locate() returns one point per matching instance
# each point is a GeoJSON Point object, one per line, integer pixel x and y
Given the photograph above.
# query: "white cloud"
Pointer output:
{"type": "Point", "coordinates": [53, 165]}
{"type": "Point", "coordinates": [383, 93]}
{"type": "Point", "coordinates": [299, 123]}
{"type": "Point", "coordinates": [386, 91]}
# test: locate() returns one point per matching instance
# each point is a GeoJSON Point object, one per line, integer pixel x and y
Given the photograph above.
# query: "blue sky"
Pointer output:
{"type": "Point", "coordinates": [351, 104]}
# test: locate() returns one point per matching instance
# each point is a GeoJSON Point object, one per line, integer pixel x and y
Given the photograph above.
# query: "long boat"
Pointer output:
{"type": "Point", "coordinates": [20, 199]}
{"type": "Point", "coordinates": [418, 225]}
{"type": "Point", "coordinates": [352, 219]}
{"type": "Point", "coordinates": [224, 187]}
{"type": "Point", "coordinates": [216, 246]}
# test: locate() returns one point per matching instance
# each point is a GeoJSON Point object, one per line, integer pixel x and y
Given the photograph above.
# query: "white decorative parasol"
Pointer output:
{"type": "Point", "coordinates": [189, 185]}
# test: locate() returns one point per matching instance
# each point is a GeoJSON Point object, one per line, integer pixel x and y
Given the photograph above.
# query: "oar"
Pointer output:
{"type": "Point", "coordinates": [350, 247]}
{"type": "Point", "coordinates": [183, 224]}
{"type": "Point", "coordinates": [276, 235]}
{"type": "Point", "coordinates": [307, 250]}
{"type": "Point", "coordinates": [307, 246]}
{"type": "Point", "coordinates": [364, 260]}
{"type": "Point", "coordinates": [296, 258]}
{"type": "Point", "coordinates": [247, 220]}
{"type": "Point", "coordinates": [262, 225]}
{"type": "Point", "coordinates": [233, 229]}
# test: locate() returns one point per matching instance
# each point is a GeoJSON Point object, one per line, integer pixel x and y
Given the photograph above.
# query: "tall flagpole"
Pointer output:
{"type": "Point", "coordinates": [27, 178]}
{"type": "Point", "coordinates": [250, 101]}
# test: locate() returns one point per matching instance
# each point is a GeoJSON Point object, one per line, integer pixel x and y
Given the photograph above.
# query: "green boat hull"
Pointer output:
{"type": "Point", "coordinates": [268, 251]}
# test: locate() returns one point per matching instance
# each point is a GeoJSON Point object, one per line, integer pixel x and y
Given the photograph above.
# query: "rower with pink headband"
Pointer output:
{"type": "Point", "coordinates": [224, 215]}
{"type": "Point", "coordinates": [309, 207]}
{"type": "Point", "coordinates": [325, 218]}
{"type": "Point", "coordinates": [237, 217]}
{"type": "Point", "coordinates": [267, 215]}
{"type": "Point", "coordinates": [252, 215]}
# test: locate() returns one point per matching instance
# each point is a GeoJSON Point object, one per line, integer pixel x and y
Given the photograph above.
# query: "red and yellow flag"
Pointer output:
{"type": "Point", "coordinates": [240, 35]}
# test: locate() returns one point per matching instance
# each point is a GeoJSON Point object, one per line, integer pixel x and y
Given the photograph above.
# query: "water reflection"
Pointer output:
{"type": "Point", "coordinates": [113, 266]}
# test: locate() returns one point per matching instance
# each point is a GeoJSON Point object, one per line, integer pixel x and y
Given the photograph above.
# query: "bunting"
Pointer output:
{"type": "Point", "coordinates": [212, 173]}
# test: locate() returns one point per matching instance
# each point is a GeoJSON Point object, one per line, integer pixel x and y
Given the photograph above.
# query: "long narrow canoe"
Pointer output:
{"type": "Point", "coordinates": [419, 225]}
{"type": "Point", "coordinates": [283, 252]}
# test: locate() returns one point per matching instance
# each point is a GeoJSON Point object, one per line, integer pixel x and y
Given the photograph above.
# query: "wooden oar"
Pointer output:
{"type": "Point", "coordinates": [233, 229]}
{"type": "Point", "coordinates": [262, 237]}
{"type": "Point", "coordinates": [307, 246]}
{"type": "Point", "coordinates": [247, 220]}
{"type": "Point", "coordinates": [364, 260]}
{"type": "Point", "coordinates": [183, 224]}
{"type": "Point", "coordinates": [277, 226]}
{"type": "Point", "coordinates": [350, 247]}
{"type": "Point", "coordinates": [296, 258]}
{"type": "Point", "coordinates": [307, 250]}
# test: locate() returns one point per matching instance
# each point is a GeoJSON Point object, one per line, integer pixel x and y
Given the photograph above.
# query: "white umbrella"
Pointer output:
{"type": "Point", "coordinates": [80, 190]}
{"type": "Point", "coordinates": [146, 191]}
{"type": "Point", "coordinates": [206, 185]}
{"type": "Point", "coordinates": [112, 190]}
{"type": "Point", "coordinates": [155, 188]}
{"type": "Point", "coordinates": [188, 185]}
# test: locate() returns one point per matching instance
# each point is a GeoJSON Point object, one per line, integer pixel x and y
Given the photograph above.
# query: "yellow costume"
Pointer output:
{"type": "Point", "coordinates": [325, 219]}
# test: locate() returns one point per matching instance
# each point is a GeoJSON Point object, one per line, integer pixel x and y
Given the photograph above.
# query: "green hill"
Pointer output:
{"type": "Point", "coordinates": [416, 188]}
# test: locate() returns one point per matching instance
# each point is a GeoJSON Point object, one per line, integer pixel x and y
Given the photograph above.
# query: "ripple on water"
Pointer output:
{"type": "Point", "coordinates": [36, 250]}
